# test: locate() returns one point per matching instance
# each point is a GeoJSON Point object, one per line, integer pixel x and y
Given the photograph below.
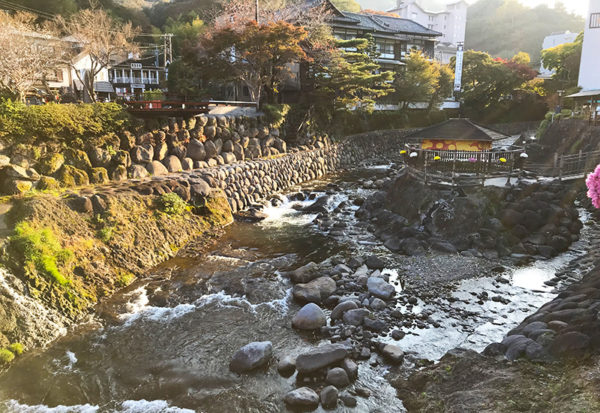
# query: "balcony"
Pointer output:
{"type": "Point", "coordinates": [134, 80]}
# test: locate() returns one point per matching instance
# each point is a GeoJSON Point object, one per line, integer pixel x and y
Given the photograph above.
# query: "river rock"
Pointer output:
{"type": "Point", "coordinates": [310, 317]}
{"type": "Point", "coordinates": [316, 291]}
{"type": "Point", "coordinates": [393, 353]}
{"type": "Point", "coordinates": [570, 343]}
{"type": "Point", "coordinates": [155, 168]}
{"type": "Point", "coordinates": [196, 151]}
{"type": "Point", "coordinates": [304, 397]}
{"type": "Point", "coordinates": [305, 273]}
{"type": "Point", "coordinates": [380, 288]}
{"type": "Point", "coordinates": [142, 154]}
{"type": "Point", "coordinates": [321, 357]}
{"type": "Point", "coordinates": [329, 397]}
{"type": "Point", "coordinates": [173, 164]}
{"type": "Point", "coordinates": [286, 366]}
{"type": "Point", "coordinates": [355, 317]}
{"type": "Point", "coordinates": [251, 356]}
{"type": "Point", "coordinates": [338, 377]}
{"type": "Point", "coordinates": [375, 263]}
{"type": "Point", "coordinates": [338, 312]}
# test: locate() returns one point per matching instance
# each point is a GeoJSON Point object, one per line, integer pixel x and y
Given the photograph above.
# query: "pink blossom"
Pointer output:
{"type": "Point", "coordinates": [593, 184]}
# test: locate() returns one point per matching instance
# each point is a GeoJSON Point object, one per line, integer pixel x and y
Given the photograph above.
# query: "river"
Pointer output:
{"type": "Point", "coordinates": [164, 343]}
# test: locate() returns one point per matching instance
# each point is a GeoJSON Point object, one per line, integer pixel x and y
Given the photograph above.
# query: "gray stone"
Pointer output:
{"type": "Point", "coordinates": [155, 168]}
{"type": "Point", "coordinates": [211, 149]}
{"type": "Point", "coordinates": [393, 353]}
{"type": "Point", "coordinates": [286, 366]}
{"type": "Point", "coordinates": [142, 154]}
{"type": "Point", "coordinates": [251, 356]}
{"type": "Point", "coordinates": [173, 164]}
{"type": "Point", "coordinates": [380, 288]}
{"type": "Point", "coordinates": [338, 377]}
{"type": "Point", "coordinates": [310, 317]}
{"type": "Point", "coordinates": [351, 368]}
{"type": "Point", "coordinates": [196, 151]}
{"type": "Point", "coordinates": [338, 312]}
{"type": "Point", "coordinates": [187, 164]}
{"type": "Point", "coordinates": [305, 273]}
{"type": "Point", "coordinates": [378, 304]}
{"type": "Point", "coordinates": [329, 397]}
{"type": "Point", "coordinates": [321, 357]}
{"type": "Point", "coordinates": [229, 157]}
{"type": "Point", "coordinates": [355, 317]}
{"type": "Point", "coordinates": [138, 172]}
{"type": "Point", "coordinates": [304, 397]}
{"type": "Point", "coordinates": [161, 149]}
{"type": "Point", "coordinates": [316, 291]}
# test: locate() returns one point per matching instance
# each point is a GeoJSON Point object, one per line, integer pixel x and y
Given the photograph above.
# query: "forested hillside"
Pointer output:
{"type": "Point", "coordinates": [505, 27]}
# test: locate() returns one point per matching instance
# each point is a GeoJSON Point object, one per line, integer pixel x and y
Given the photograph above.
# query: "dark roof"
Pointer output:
{"type": "Point", "coordinates": [104, 87]}
{"type": "Point", "coordinates": [457, 130]}
{"type": "Point", "coordinates": [393, 25]}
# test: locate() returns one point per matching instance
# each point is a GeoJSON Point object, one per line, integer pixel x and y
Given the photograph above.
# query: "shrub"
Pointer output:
{"type": "Point", "coordinates": [275, 115]}
{"type": "Point", "coordinates": [105, 234]}
{"type": "Point", "coordinates": [6, 356]}
{"type": "Point", "coordinates": [41, 252]}
{"type": "Point", "coordinates": [16, 348]}
{"type": "Point", "coordinates": [124, 279]}
{"type": "Point", "coordinates": [154, 94]}
{"type": "Point", "coordinates": [172, 204]}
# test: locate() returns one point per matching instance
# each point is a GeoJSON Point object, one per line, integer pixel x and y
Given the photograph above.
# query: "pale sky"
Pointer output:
{"type": "Point", "coordinates": [576, 6]}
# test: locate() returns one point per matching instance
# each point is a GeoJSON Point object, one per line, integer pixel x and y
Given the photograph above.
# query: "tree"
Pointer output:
{"type": "Point", "coordinates": [418, 81]}
{"type": "Point", "coordinates": [186, 30]}
{"type": "Point", "coordinates": [101, 38]}
{"type": "Point", "coordinates": [257, 55]}
{"type": "Point", "coordinates": [443, 86]}
{"type": "Point", "coordinates": [564, 59]}
{"type": "Point", "coordinates": [28, 52]}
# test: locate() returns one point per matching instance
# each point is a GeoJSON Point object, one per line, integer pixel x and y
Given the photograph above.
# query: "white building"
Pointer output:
{"type": "Point", "coordinates": [446, 17]}
{"type": "Point", "coordinates": [555, 39]}
{"type": "Point", "coordinates": [589, 72]}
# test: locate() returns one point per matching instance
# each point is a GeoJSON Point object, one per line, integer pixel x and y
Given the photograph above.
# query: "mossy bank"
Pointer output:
{"type": "Point", "coordinates": [68, 252]}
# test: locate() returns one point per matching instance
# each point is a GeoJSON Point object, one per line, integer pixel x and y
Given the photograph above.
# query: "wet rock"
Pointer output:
{"type": "Point", "coordinates": [286, 366]}
{"type": "Point", "coordinates": [355, 317]}
{"type": "Point", "coordinates": [338, 312]}
{"type": "Point", "coordinates": [316, 291]}
{"type": "Point", "coordinates": [329, 397]}
{"type": "Point", "coordinates": [305, 273]}
{"type": "Point", "coordinates": [251, 356]}
{"type": "Point", "coordinates": [374, 325]}
{"type": "Point", "coordinates": [321, 357]}
{"type": "Point", "coordinates": [303, 397]}
{"type": "Point", "coordinates": [348, 400]}
{"type": "Point", "coordinates": [375, 263]}
{"type": "Point", "coordinates": [380, 288]}
{"type": "Point", "coordinates": [393, 353]}
{"type": "Point", "coordinates": [378, 304]}
{"type": "Point", "coordinates": [398, 334]}
{"type": "Point", "coordinates": [338, 377]}
{"type": "Point", "coordinates": [310, 317]}
{"type": "Point", "coordinates": [443, 246]}
{"type": "Point", "coordinates": [570, 343]}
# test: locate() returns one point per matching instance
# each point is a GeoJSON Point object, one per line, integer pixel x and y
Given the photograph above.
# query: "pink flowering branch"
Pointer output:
{"type": "Point", "coordinates": [593, 184]}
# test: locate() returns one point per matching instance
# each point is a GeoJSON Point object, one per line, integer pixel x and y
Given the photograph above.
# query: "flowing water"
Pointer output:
{"type": "Point", "coordinates": [164, 343]}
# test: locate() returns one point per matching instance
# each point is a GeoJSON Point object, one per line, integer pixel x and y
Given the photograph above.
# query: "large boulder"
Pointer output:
{"type": "Point", "coordinates": [71, 176]}
{"type": "Point", "coordinates": [100, 158]}
{"type": "Point", "coordinates": [78, 158]}
{"type": "Point", "coordinates": [99, 176]}
{"type": "Point", "coordinates": [229, 157]}
{"type": "Point", "coordinates": [305, 273]}
{"type": "Point", "coordinates": [393, 353]}
{"type": "Point", "coordinates": [321, 357]}
{"type": "Point", "coordinates": [138, 172]}
{"type": "Point", "coordinates": [329, 397]}
{"type": "Point", "coordinates": [142, 154]}
{"type": "Point", "coordinates": [119, 173]}
{"type": "Point", "coordinates": [161, 149]}
{"type": "Point", "coordinates": [251, 356]}
{"type": "Point", "coordinates": [338, 312]}
{"type": "Point", "coordinates": [238, 151]}
{"type": "Point", "coordinates": [310, 317]}
{"type": "Point", "coordinates": [304, 398]}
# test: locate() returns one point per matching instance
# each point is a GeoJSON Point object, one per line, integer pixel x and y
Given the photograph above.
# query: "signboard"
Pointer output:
{"type": "Point", "coordinates": [136, 65]}
{"type": "Point", "coordinates": [459, 68]}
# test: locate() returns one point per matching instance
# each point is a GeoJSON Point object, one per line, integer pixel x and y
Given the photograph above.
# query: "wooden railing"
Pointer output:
{"type": "Point", "coordinates": [572, 166]}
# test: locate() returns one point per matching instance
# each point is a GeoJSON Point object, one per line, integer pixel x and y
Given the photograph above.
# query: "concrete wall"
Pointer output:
{"type": "Point", "coordinates": [589, 74]}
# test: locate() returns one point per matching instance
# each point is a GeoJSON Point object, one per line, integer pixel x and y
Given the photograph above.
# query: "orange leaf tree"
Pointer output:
{"type": "Point", "coordinates": [258, 55]}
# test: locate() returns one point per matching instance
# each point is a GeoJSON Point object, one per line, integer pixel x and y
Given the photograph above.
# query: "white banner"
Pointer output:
{"type": "Point", "coordinates": [459, 68]}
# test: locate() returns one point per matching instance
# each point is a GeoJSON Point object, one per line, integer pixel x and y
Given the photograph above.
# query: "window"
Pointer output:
{"type": "Point", "coordinates": [385, 49]}
{"type": "Point", "coordinates": [595, 21]}
{"type": "Point", "coordinates": [430, 26]}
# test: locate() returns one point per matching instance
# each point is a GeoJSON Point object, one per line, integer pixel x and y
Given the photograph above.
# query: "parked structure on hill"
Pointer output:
{"type": "Point", "coordinates": [450, 19]}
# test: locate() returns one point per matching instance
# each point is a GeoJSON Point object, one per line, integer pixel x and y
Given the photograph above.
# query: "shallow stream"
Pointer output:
{"type": "Point", "coordinates": [164, 343]}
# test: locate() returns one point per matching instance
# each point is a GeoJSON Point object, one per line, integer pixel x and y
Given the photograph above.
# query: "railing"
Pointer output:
{"type": "Point", "coordinates": [568, 166]}
{"type": "Point", "coordinates": [139, 80]}
{"type": "Point", "coordinates": [463, 168]}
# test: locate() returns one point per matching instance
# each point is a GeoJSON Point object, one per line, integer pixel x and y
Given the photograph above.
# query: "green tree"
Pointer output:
{"type": "Point", "coordinates": [417, 82]}
{"type": "Point", "coordinates": [443, 86]}
{"type": "Point", "coordinates": [257, 55]}
{"type": "Point", "coordinates": [564, 59]}
{"type": "Point", "coordinates": [186, 30]}
{"type": "Point", "coordinates": [347, 5]}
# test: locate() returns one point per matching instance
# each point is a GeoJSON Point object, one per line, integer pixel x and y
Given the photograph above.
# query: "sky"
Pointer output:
{"type": "Point", "coordinates": [576, 6]}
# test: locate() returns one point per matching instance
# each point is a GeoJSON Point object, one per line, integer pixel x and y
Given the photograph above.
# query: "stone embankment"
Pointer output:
{"type": "Point", "coordinates": [524, 222]}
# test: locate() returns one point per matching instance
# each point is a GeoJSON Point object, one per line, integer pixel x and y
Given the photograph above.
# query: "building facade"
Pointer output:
{"type": "Point", "coordinates": [132, 77]}
{"type": "Point", "coordinates": [589, 72]}
{"type": "Point", "coordinates": [450, 19]}
{"type": "Point", "coordinates": [553, 40]}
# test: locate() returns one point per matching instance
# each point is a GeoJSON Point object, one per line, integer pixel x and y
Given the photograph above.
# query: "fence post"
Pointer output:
{"type": "Point", "coordinates": [425, 165]}
{"type": "Point", "coordinates": [560, 168]}
{"type": "Point", "coordinates": [555, 162]}
{"type": "Point", "coordinates": [453, 167]}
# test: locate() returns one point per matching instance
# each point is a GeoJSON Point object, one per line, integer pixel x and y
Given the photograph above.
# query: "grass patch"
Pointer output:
{"type": "Point", "coordinates": [41, 252]}
{"type": "Point", "coordinates": [124, 279]}
{"type": "Point", "coordinates": [6, 356]}
{"type": "Point", "coordinates": [16, 348]}
{"type": "Point", "coordinates": [172, 204]}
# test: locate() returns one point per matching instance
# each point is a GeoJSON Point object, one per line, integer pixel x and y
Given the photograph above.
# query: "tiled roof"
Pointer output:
{"type": "Point", "coordinates": [105, 87]}
{"type": "Point", "coordinates": [387, 24]}
{"type": "Point", "coordinates": [457, 130]}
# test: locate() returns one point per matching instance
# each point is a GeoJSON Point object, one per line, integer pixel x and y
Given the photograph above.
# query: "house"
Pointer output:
{"type": "Point", "coordinates": [553, 40]}
{"type": "Point", "coordinates": [394, 37]}
{"type": "Point", "coordinates": [455, 135]}
{"type": "Point", "coordinates": [133, 76]}
{"type": "Point", "coordinates": [589, 75]}
{"type": "Point", "coordinates": [450, 19]}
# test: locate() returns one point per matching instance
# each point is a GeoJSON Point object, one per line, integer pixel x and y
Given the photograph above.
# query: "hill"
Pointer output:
{"type": "Point", "coordinates": [506, 27]}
